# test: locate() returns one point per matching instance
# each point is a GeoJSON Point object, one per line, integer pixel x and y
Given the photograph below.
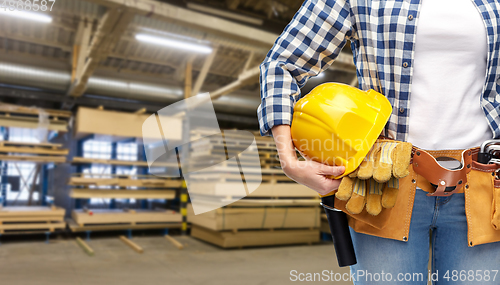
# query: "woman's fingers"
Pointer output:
{"type": "Point", "coordinates": [328, 185]}
{"type": "Point", "coordinates": [331, 170]}
{"type": "Point", "coordinates": [315, 175]}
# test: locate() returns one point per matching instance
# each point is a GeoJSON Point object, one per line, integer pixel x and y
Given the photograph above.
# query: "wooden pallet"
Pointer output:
{"type": "Point", "coordinates": [236, 218]}
{"type": "Point", "coordinates": [86, 193]}
{"type": "Point", "coordinates": [74, 227]}
{"type": "Point", "coordinates": [252, 238]}
{"type": "Point", "coordinates": [130, 217]}
{"type": "Point", "coordinates": [20, 219]}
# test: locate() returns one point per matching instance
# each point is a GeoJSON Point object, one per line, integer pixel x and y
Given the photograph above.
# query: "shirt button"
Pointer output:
{"type": "Point", "coordinates": [410, 17]}
{"type": "Point", "coordinates": [405, 64]}
{"type": "Point", "coordinates": [401, 110]}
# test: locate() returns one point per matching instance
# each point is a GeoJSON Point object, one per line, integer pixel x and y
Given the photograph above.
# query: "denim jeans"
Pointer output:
{"type": "Point", "coordinates": [386, 261]}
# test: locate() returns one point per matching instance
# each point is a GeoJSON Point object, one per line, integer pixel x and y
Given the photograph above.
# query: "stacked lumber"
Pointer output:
{"type": "Point", "coordinates": [222, 178]}
{"type": "Point", "coordinates": [239, 216]}
{"type": "Point", "coordinates": [113, 186]}
{"type": "Point", "coordinates": [26, 117]}
{"type": "Point", "coordinates": [31, 219]}
{"type": "Point", "coordinates": [34, 152]}
{"type": "Point", "coordinates": [124, 217]}
{"type": "Point", "coordinates": [260, 226]}
{"type": "Point", "coordinates": [122, 186]}
{"type": "Point", "coordinates": [119, 125]}
{"type": "Point", "coordinates": [276, 211]}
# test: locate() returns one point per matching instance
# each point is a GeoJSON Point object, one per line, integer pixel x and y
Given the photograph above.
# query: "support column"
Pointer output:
{"type": "Point", "coordinates": [3, 170]}
{"type": "Point", "coordinates": [112, 202]}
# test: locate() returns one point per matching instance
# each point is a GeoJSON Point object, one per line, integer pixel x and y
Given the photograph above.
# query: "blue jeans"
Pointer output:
{"type": "Point", "coordinates": [386, 261]}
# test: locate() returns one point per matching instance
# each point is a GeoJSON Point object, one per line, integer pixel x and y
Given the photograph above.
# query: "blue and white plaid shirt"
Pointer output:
{"type": "Point", "coordinates": [382, 35]}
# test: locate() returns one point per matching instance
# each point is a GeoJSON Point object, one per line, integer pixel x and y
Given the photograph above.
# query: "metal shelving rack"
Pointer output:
{"type": "Point", "coordinates": [29, 218]}
{"type": "Point", "coordinates": [142, 204]}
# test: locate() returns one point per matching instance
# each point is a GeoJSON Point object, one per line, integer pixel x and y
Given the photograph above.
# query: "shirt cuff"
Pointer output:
{"type": "Point", "coordinates": [274, 111]}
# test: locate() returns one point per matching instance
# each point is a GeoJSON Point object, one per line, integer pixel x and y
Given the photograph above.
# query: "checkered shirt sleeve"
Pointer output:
{"type": "Point", "coordinates": [307, 46]}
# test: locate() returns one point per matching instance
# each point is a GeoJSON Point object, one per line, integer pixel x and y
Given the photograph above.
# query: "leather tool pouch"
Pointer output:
{"type": "Point", "coordinates": [482, 203]}
{"type": "Point", "coordinates": [391, 223]}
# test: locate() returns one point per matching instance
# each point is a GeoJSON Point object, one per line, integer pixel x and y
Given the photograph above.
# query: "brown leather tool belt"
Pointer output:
{"type": "Point", "coordinates": [479, 182]}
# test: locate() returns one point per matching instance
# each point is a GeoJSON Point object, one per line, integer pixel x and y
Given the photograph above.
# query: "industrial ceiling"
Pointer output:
{"type": "Point", "coordinates": [91, 50]}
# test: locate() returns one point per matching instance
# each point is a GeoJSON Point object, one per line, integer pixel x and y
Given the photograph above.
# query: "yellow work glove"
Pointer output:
{"type": "Point", "coordinates": [375, 182]}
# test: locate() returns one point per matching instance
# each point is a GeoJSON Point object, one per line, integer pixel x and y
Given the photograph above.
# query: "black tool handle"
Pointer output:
{"type": "Point", "coordinates": [339, 229]}
{"type": "Point", "coordinates": [483, 157]}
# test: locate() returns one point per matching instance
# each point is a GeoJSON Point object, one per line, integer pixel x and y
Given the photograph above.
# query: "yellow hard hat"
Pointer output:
{"type": "Point", "coordinates": [337, 124]}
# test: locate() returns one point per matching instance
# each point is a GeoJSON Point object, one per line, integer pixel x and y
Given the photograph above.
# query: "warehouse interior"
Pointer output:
{"type": "Point", "coordinates": [80, 199]}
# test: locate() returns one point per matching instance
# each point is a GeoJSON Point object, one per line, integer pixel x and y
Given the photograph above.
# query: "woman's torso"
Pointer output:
{"type": "Point", "coordinates": [385, 34]}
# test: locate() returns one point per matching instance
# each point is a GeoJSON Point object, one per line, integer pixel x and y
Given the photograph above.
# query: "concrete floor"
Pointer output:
{"type": "Point", "coordinates": [63, 262]}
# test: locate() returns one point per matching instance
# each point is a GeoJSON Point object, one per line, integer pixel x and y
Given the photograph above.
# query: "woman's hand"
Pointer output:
{"type": "Point", "coordinates": [309, 173]}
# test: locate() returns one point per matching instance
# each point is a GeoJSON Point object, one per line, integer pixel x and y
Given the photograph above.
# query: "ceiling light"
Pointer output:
{"type": "Point", "coordinates": [225, 14]}
{"type": "Point", "coordinates": [163, 34]}
{"type": "Point", "coordinates": [27, 15]}
{"type": "Point", "coordinates": [187, 46]}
